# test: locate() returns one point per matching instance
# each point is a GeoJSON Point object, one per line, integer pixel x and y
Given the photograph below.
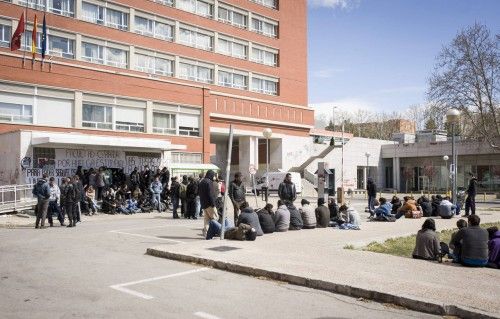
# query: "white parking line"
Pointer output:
{"type": "Point", "coordinates": [146, 236]}
{"type": "Point", "coordinates": [153, 227]}
{"type": "Point", "coordinates": [120, 287]}
{"type": "Point", "coordinates": [205, 315]}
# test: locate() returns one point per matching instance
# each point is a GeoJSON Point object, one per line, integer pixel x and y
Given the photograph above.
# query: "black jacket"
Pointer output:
{"type": "Point", "coordinates": [249, 217]}
{"type": "Point", "coordinates": [206, 190]}
{"type": "Point", "coordinates": [70, 194]}
{"type": "Point", "coordinates": [175, 189]}
{"type": "Point", "coordinates": [472, 189]}
{"type": "Point", "coordinates": [266, 222]}
{"type": "Point", "coordinates": [371, 188]}
{"type": "Point", "coordinates": [237, 192]}
{"type": "Point", "coordinates": [287, 191]}
{"type": "Point", "coordinates": [296, 222]}
{"type": "Point", "coordinates": [192, 190]}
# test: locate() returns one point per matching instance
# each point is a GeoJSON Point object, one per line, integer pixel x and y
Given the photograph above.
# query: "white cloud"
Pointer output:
{"type": "Point", "coordinates": [334, 4]}
{"type": "Point", "coordinates": [326, 73]}
{"type": "Point", "coordinates": [345, 107]}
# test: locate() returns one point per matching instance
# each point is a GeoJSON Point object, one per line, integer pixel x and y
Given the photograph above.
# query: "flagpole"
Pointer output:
{"type": "Point", "coordinates": [24, 33]}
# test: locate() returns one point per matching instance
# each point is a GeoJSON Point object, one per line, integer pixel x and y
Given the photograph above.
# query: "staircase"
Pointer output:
{"type": "Point", "coordinates": [300, 169]}
{"type": "Point", "coordinates": [308, 189]}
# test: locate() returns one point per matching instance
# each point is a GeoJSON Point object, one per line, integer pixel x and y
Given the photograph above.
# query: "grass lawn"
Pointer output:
{"type": "Point", "coordinates": [403, 246]}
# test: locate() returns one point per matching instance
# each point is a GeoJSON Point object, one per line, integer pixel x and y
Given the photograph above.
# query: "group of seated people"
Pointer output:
{"type": "Point", "coordinates": [252, 223]}
{"type": "Point", "coordinates": [409, 207]}
{"type": "Point", "coordinates": [122, 200]}
{"type": "Point", "coordinates": [471, 245]}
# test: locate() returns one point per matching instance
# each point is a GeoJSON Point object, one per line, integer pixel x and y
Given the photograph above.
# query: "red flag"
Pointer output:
{"type": "Point", "coordinates": [34, 39]}
{"type": "Point", "coordinates": [15, 42]}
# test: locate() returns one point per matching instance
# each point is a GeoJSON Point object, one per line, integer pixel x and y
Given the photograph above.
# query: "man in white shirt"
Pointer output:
{"type": "Point", "coordinates": [54, 199]}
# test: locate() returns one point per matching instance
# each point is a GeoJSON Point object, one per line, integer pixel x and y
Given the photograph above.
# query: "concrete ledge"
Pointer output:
{"type": "Point", "coordinates": [408, 302]}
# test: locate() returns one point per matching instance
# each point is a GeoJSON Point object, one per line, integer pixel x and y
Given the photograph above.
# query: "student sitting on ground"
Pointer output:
{"type": "Point", "coordinates": [474, 240]}
{"type": "Point", "coordinates": [409, 205]}
{"type": "Point", "coordinates": [427, 245]}
{"type": "Point", "coordinates": [457, 246]}
{"type": "Point", "coordinates": [108, 205]}
{"type": "Point", "coordinates": [396, 204]}
{"type": "Point", "coordinates": [426, 206]}
{"type": "Point", "coordinates": [90, 200]}
{"type": "Point", "coordinates": [493, 247]}
{"type": "Point", "coordinates": [282, 217]}
{"type": "Point", "coordinates": [266, 219]}
{"type": "Point", "coordinates": [350, 218]}
{"type": "Point", "coordinates": [383, 211]}
{"type": "Point", "coordinates": [296, 222]}
{"type": "Point", "coordinates": [323, 214]}
{"type": "Point", "coordinates": [249, 216]}
{"type": "Point", "coordinates": [446, 209]}
{"type": "Point", "coordinates": [435, 201]}
{"type": "Point", "coordinates": [307, 214]}
{"type": "Point", "coordinates": [333, 207]}
{"type": "Point", "coordinates": [242, 232]}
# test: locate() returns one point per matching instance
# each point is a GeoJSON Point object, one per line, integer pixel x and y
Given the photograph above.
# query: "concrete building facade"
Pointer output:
{"type": "Point", "coordinates": [130, 83]}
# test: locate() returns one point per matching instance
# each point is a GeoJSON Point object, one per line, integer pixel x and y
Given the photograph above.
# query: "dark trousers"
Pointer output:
{"type": "Point", "coordinates": [99, 193]}
{"type": "Point", "coordinates": [470, 205]}
{"type": "Point", "coordinates": [70, 209]}
{"type": "Point", "coordinates": [175, 204]}
{"type": "Point", "coordinates": [41, 212]}
{"type": "Point", "coordinates": [184, 207]}
{"type": "Point", "coordinates": [191, 208]}
{"type": "Point", "coordinates": [54, 208]}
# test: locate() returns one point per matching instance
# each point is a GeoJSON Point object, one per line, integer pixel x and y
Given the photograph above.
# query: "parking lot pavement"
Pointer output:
{"type": "Point", "coordinates": [99, 270]}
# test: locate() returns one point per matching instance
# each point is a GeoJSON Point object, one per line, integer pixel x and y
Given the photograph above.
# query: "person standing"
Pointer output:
{"type": "Point", "coordinates": [208, 200]}
{"type": "Point", "coordinates": [55, 196]}
{"type": "Point", "coordinates": [198, 204]}
{"type": "Point", "coordinates": [470, 202]}
{"type": "Point", "coordinates": [174, 195]}
{"type": "Point", "coordinates": [371, 190]}
{"type": "Point", "coordinates": [135, 178]}
{"type": "Point", "coordinates": [164, 177]}
{"type": "Point", "coordinates": [42, 192]}
{"type": "Point", "coordinates": [237, 192]}
{"type": "Point", "coordinates": [183, 196]}
{"type": "Point", "coordinates": [146, 178]}
{"type": "Point", "coordinates": [79, 192]}
{"type": "Point", "coordinates": [286, 190]}
{"type": "Point", "coordinates": [92, 178]}
{"type": "Point", "coordinates": [191, 194]}
{"type": "Point", "coordinates": [100, 183]}
{"type": "Point", "coordinates": [71, 201]}
{"type": "Point", "coordinates": [62, 203]}
{"type": "Point", "coordinates": [156, 189]}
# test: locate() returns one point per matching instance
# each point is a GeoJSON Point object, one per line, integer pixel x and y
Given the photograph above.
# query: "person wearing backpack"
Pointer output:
{"type": "Point", "coordinates": [183, 196]}
{"type": "Point", "coordinates": [41, 191]}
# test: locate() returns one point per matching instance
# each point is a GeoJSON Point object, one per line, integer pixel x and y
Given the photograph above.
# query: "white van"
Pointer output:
{"type": "Point", "coordinates": [275, 179]}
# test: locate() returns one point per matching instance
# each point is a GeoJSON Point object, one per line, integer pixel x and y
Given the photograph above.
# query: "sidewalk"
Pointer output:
{"type": "Point", "coordinates": [316, 259]}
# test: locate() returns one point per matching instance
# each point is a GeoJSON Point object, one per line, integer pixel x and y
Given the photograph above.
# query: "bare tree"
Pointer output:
{"type": "Point", "coordinates": [467, 76]}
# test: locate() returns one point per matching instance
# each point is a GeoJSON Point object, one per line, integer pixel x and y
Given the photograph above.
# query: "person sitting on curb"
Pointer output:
{"type": "Point", "coordinates": [457, 246]}
{"type": "Point", "coordinates": [493, 247]}
{"type": "Point", "coordinates": [266, 219]}
{"type": "Point", "coordinates": [333, 207]}
{"type": "Point", "coordinates": [427, 245]}
{"type": "Point", "coordinates": [214, 228]}
{"type": "Point", "coordinates": [396, 204]}
{"type": "Point", "coordinates": [446, 209]}
{"type": "Point", "coordinates": [282, 217]}
{"type": "Point", "coordinates": [323, 214]}
{"type": "Point", "coordinates": [249, 216]}
{"type": "Point", "coordinates": [296, 222]}
{"type": "Point", "coordinates": [307, 214]}
{"type": "Point", "coordinates": [426, 206]}
{"type": "Point", "coordinates": [242, 232]}
{"type": "Point", "coordinates": [474, 241]}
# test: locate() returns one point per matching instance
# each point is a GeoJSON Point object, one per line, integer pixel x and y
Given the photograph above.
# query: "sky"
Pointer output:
{"type": "Point", "coordinates": [379, 54]}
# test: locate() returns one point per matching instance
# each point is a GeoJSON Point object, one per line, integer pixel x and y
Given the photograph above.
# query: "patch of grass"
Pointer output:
{"type": "Point", "coordinates": [403, 246]}
{"type": "Point", "coordinates": [351, 247]}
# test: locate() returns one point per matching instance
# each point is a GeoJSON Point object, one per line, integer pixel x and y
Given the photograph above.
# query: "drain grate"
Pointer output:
{"type": "Point", "coordinates": [223, 248]}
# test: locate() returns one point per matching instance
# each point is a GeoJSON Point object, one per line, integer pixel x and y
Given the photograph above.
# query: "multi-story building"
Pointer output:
{"type": "Point", "coordinates": [130, 83]}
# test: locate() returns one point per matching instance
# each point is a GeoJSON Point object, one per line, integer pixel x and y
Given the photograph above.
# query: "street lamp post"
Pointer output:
{"type": "Point", "coordinates": [446, 158]}
{"type": "Point", "coordinates": [452, 118]}
{"type": "Point", "coordinates": [267, 133]}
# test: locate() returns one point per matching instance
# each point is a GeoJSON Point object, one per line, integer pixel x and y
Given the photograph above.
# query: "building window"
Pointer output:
{"type": "Point", "coordinates": [196, 6]}
{"type": "Point", "coordinates": [164, 123]}
{"type": "Point", "coordinates": [105, 16]}
{"type": "Point", "coordinates": [195, 39]}
{"type": "Point", "coordinates": [169, 3]}
{"type": "Point", "coordinates": [189, 125]}
{"type": "Point", "coordinates": [264, 57]}
{"type": "Point", "coordinates": [97, 116]}
{"type": "Point", "coordinates": [186, 158]}
{"type": "Point", "coordinates": [232, 80]}
{"type": "Point", "coordinates": [5, 35]}
{"type": "Point", "coordinates": [267, 3]}
{"type": "Point", "coordinates": [228, 15]}
{"type": "Point", "coordinates": [264, 27]}
{"type": "Point", "coordinates": [153, 65]}
{"type": "Point", "coordinates": [35, 4]}
{"type": "Point", "coordinates": [44, 158]}
{"type": "Point", "coordinates": [232, 48]}
{"type": "Point", "coordinates": [195, 73]}
{"type": "Point", "coordinates": [129, 126]}
{"type": "Point", "coordinates": [62, 7]}
{"type": "Point", "coordinates": [265, 86]}
{"type": "Point", "coordinates": [153, 28]}
{"type": "Point", "coordinates": [99, 54]}
{"type": "Point", "coordinates": [61, 47]}
{"type": "Point", "coordinates": [16, 113]}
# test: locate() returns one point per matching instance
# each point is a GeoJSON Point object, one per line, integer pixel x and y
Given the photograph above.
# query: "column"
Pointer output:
{"type": "Point", "coordinates": [131, 57]}
{"type": "Point", "coordinates": [78, 47]}
{"type": "Point", "coordinates": [78, 9]}
{"type": "Point", "coordinates": [149, 117]}
{"type": "Point", "coordinates": [77, 110]}
{"type": "Point", "coordinates": [395, 172]}
{"type": "Point", "coordinates": [248, 154]}
{"type": "Point", "coordinates": [131, 23]}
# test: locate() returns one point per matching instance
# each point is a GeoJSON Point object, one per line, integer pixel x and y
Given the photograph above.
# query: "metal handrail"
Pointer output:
{"type": "Point", "coordinates": [15, 198]}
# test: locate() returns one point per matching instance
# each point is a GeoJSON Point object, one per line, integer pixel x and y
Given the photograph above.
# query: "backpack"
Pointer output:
{"type": "Point", "coordinates": [182, 191]}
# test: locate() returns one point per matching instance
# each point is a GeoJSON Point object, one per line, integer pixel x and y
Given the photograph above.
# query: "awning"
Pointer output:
{"type": "Point", "coordinates": [71, 140]}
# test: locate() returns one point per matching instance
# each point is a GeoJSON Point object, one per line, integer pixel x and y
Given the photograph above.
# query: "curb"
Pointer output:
{"type": "Point", "coordinates": [356, 292]}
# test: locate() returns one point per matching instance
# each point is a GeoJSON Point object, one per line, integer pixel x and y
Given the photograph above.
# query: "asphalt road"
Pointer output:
{"type": "Point", "coordinates": [99, 270]}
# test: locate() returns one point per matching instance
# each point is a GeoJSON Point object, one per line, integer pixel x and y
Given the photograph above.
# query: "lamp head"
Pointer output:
{"type": "Point", "coordinates": [446, 157]}
{"type": "Point", "coordinates": [267, 133]}
{"type": "Point", "coordinates": [452, 115]}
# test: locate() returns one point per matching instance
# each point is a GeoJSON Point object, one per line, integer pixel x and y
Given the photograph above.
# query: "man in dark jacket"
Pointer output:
{"type": "Point", "coordinates": [474, 241]}
{"type": "Point", "coordinates": [70, 201]}
{"type": "Point", "coordinates": [207, 199]}
{"type": "Point", "coordinates": [183, 195]}
{"type": "Point", "coordinates": [174, 195]}
{"type": "Point", "coordinates": [191, 193]}
{"type": "Point", "coordinates": [146, 178]}
{"type": "Point", "coordinates": [322, 214]}
{"type": "Point", "coordinates": [237, 194]}
{"type": "Point", "coordinates": [470, 202]}
{"type": "Point", "coordinates": [41, 191]}
{"type": "Point", "coordinates": [371, 190]}
{"type": "Point", "coordinates": [286, 190]}
{"type": "Point", "coordinates": [266, 219]}
{"type": "Point", "coordinates": [79, 198]}
{"type": "Point", "coordinates": [135, 178]}
{"type": "Point", "coordinates": [164, 177]}
{"type": "Point", "coordinates": [249, 216]}
{"type": "Point", "coordinates": [296, 222]}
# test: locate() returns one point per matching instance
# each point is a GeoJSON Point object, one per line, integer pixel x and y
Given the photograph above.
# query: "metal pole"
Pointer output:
{"type": "Point", "coordinates": [447, 178]}
{"type": "Point", "coordinates": [267, 170]}
{"type": "Point", "coordinates": [333, 120]}
{"type": "Point", "coordinates": [454, 176]}
{"type": "Point", "coordinates": [342, 166]}
{"type": "Point", "coordinates": [228, 171]}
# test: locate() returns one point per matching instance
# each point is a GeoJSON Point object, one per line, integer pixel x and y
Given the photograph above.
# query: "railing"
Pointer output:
{"type": "Point", "coordinates": [14, 198]}
{"type": "Point", "coordinates": [16, 118]}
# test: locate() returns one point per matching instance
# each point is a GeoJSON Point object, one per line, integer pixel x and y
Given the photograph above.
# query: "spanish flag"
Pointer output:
{"type": "Point", "coordinates": [33, 40]}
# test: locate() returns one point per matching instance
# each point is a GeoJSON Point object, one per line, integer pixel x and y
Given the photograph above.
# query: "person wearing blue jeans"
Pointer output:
{"type": "Point", "coordinates": [214, 228]}
{"type": "Point", "coordinates": [156, 189]}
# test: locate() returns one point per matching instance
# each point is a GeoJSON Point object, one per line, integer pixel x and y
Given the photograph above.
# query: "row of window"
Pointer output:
{"type": "Point", "coordinates": [146, 61]}
{"type": "Point", "coordinates": [118, 19]}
